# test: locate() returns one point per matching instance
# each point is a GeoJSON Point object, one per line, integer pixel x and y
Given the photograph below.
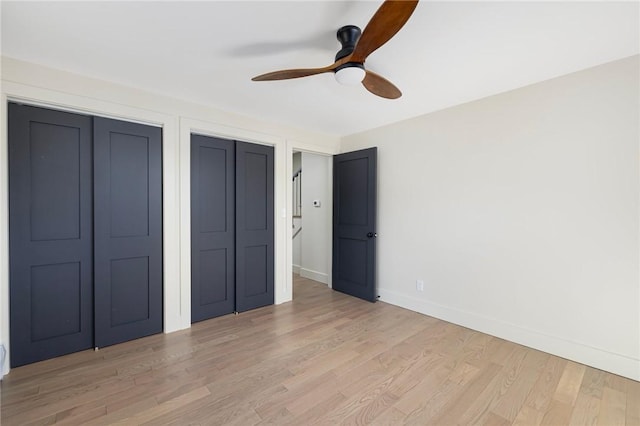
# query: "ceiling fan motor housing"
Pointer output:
{"type": "Point", "coordinates": [348, 37]}
{"type": "Point", "coordinates": [352, 72]}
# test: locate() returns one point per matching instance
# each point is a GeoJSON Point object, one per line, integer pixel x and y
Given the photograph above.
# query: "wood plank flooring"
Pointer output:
{"type": "Point", "coordinates": [324, 359]}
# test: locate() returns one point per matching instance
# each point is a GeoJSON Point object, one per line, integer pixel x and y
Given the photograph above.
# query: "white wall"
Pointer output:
{"type": "Point", "coordinates": [30, 83]}
{"type": "Point", "coordinates": [521, 214]}
{"type": "Point", "coordinates": [315, 250]}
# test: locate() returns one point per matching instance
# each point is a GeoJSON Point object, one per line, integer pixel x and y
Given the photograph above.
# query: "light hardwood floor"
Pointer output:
{"type": "Point", "coordinates": [325, 359]}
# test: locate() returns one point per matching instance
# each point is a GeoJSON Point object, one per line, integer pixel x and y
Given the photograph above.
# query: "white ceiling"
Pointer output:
{"type": "Point", "coordinates": [448, 53]}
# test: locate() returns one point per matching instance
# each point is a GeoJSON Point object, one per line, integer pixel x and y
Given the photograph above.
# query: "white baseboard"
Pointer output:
{"type": "Point", "coordinates": [314, 275]}
{"type": "Point", "coordinates": [599, 358]}
{"type": "Point", "coordinates": [296, 269]}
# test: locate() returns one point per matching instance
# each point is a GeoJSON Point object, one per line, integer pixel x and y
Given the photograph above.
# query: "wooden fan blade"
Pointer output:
{"type": "Point", "coordinates": [380, 86]}
{"type": "Point", "coordinates": [295, 73]}
{"type": "Point", "coordinates": [384, 24]}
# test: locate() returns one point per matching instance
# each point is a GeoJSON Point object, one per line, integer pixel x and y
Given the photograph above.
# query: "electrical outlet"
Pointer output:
{"type": "Point", "coordinates": [419, 285]}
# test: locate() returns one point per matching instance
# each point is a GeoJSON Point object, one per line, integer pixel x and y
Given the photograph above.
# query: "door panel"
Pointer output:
{"type": "Point", "coordinates": [254, 226]}
{"type": "Point", "coordinates": [354, 223]}
{"type": "Point", "coordinates": [127, 230]}
{"type": "Point", "coordinates": [50, 235]}
{"type": "Point", "coordinates": [129, 185]}
{"type": "Point", "coordinates": [55, 182]}
{"type": "Point", "coordinates": [256, 280]}
{"type": "Point", "coordinates": [51, 315]}
{"type": "Point", "coordinates": [129, 290]}
{"type": "Point", "coordinates": [212, 227]}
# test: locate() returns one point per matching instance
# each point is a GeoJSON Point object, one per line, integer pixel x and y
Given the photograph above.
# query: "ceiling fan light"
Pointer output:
{"type": "Point", "coordinates": [350, 75]}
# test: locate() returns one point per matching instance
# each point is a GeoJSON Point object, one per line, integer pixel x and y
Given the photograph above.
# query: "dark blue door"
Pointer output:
{"type": "Point", "coordinates": [50, 233]}
{"type": "Point", "coordinates": [85, 219]}
{"type": "Point", "coordinates": [354, 224]}
{"type": "Point", "coordinates": [127, 230]}
{"type": "Point", "coordinates": [254, 226]}
{"type": "Point", "coordinates": [232, 240]}
{"type": "Point", "coordinates": [212, 227]}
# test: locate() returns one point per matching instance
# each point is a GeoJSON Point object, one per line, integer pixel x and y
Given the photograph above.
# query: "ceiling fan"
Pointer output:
{"type": "Point", "coordinates": [357, 45]}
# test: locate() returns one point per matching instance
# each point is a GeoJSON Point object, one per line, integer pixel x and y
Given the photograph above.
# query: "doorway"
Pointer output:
{"type": "Point", "coordinates": [341, 238]}
{"type": "Point", "coordinates": [312, 206]}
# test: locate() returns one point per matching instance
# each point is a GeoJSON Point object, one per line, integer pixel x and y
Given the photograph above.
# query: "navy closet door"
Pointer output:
{"type": "Point", "coordinates": [127, 230]}
{"type": "Point", "coordinates": [254, 226]}
{"type": "Point", "coordinates": [212, 227]}
{"type": "Point", "coordinates": [50, 235]}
